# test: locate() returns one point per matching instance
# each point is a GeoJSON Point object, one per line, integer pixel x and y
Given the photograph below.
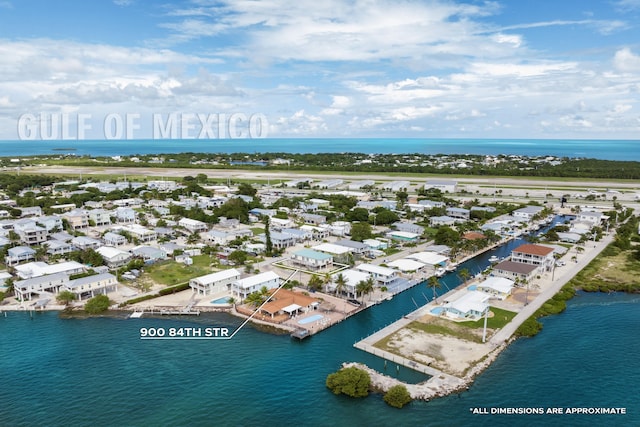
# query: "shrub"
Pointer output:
{"type": "Point", "coordinates": [529, 328]}
{"type": "Point", "coordinates": [351, 381]}
{"type": "Point", "coordinates": [97, 304]}
{"type": "Point", "coordinates": [397, 396]}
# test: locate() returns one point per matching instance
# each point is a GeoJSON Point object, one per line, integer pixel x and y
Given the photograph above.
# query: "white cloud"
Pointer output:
{"type": "Point", "coordinates": [626, 61]}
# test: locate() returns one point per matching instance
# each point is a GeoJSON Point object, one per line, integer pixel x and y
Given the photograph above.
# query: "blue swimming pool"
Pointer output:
{"type": "Point", "coordinates": [436, 310]}
{"type": "Point", "coordinates": [223, 300]}
{"type": "Point", "coordinates": [310, 319]}
{"type": "Point", "coordinates": [472, 287]}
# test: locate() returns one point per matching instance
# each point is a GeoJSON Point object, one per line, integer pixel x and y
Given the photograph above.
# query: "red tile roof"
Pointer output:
{"type": "Point", "coordinates": [533, 249]}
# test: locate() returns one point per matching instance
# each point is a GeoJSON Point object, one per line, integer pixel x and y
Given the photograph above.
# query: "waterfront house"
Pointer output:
{"type": "Point", "coordinates": [516, 271]}
{"type": "Point", "coordinates": [527, 213]}
{"type": "Point", "coordinates": [19, 254]}
{"type": "Point", "coordinates": [351, 279]}
{"type": "Point", "coordinates": [41, 285]}
{"type": "Point", "coordinates": [431, 259]}
{"type": "Point", "coordinates": [214, 283]}
{"type": "Point", "coordinates": [37, 269]}
{"type": "Point", "coordinates": [541, 256]}
{"type": "Point", "coordinates": [311, 259]}
{"type": "Point", "coordinates": [243, 287]}
{"type": "Point", "coordinates": [289, 303]}
{"type": "Point", "coordinates": [383, 275]}
{"type": "Point", "coordinates": [407, 265]}
{"type": "Point", "coordinates": [466, 305]}
{"type": "Point", "coordinates": [497, 287]}
{"type": "Point", "coordinates": [592, 218]}
{"type": "Point", "coordinates": [90, 286]}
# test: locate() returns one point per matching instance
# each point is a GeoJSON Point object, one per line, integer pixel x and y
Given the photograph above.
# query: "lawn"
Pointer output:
{"type": "Point", "coordinates": [172, 273]}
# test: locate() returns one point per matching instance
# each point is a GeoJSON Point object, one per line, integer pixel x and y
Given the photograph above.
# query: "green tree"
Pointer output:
{"type": "Point", "coordinates": [397, 396]}
{"type": "Point", "coordinates": [268, 250]}
{"type": "Point", "coordinates": [239, 257]}
{"type": "Point", "coordinates": [97, 304]}
{"type": "Point", "coordinates": [341, 283]}
{"type": "Point", "coordinates": [360, 231]}
{"type": "Point", "coordinates": [351, 381]}
{"type": "Point", "coordinates": [65, 297]}
{"type": "Point", "coordinates": [315, 283]}
{"type": "Point", "coordinates": [247, 190]}
{"type": "Point", "coordinates": [386, 216]}
{"type": "Point", "coordinates": [464, 274]}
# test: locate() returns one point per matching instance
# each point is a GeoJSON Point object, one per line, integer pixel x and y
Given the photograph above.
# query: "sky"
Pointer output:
{"type": "Point", "coordinates": [106, 69]}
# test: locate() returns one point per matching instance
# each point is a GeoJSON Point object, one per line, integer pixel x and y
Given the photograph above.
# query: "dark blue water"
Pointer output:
{"type": "Point", "coordinates": [598, 149]}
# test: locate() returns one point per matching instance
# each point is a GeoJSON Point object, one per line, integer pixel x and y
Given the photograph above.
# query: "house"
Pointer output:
{"type": "Point", "coordinates": [313, 219]}
{"type": "Point", "coordinates": [90, 286]}
{"type": "Point", "coordinates": [321, 203]}
{"type": "Point", "coordinates": [357, 248]}
{"type": "Point", "coordinates": [148, 253]}
{"type": "Point", "coordinates": [431, 259]}
{"type": "Point", "coordinates": [444, 186]}
{"type": "Point", "coordinates": [407, 265]}
{"type": "Point", "coordinates": [339, 253]}
{"type": "Point", "coordinates": [497, 287]}
{"type": "Point", "coordinates": [383, 275]}
{"type": "Point", "coordinates": [435, 221]}
{"type": "Point", "coordinates": [243, 287]}
{"type": "Point", "coordinates": [214, 283]}
{"type": "Point", "coordinates": [311, 259]}
{"type": "Point", "coordinates": [62, 236]}
{"type": "Point", "coordinates": [114, 239]}
{"type": "Point", "coordinates": [298, 234]}
{"type": "Point", "coordinates": [317, 233]}
{"type": "Point", "coordinates": [340, 228]}
{"type": "Point", "coordinates": [527, 213]}
{"type": "Point", "coordinates": [37, 269]}
{"type": "Point", "coordinates": [289, 303]}
{"type": "Point", "coordinates": [51, 283]}
{"type": "Point", "coordinates": [515, 271]}
{"type": "Point", "coordinates": [114, 257]}
{"type": "Point", "coordinates": [593, 218]}
{"type": "Point", "coordinates": [375, 244]}
{"type": "Point", "coordinates": [77, 218]}
{"type": "Point", "coordinates": [58, 247]}
{"type": "Point", "coordinates": [19, 254]}
{"type": "Point", "coordinates": [32, 234]}
{"type": "Point", "coordinates": [125, 215]}
{"type": "Point", "coordinates": [279, 240]}
{"type": "Point", "coordinates": [538, 255]}
{"type": "Point", "coordinates": [193, 225]}
{"type": "Point", "coordinates": [458, 213]}
{"type": "Point", "coordinates": [50, 223]}
{"type": "Point", "coordinates": [84, 242]}
{"type": "Point", "coordinates": [219, 237]}
{"type": "Point", "coordinates": [403, 236]}
{"type": "Point", "coordinates": [100, 217]}
{"type": "Point", "coordinates": [466, 305]}
{"type": "Point", "coordinates": [473, 235]}
{"type": "Point", "coordinates": [351, 278]}
{"type": "Point", "coordinates": [140, 233]}
{"type": "Point", "coordinates": [408, 227]}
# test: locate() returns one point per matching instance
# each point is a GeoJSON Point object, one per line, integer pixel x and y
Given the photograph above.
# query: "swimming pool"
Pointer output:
{"type": "Point", "coordinates": [437, 311]}
{"type": "Point", "coordinates": [310, 319]}
{"type": "Point", "coordinates": [473, 288]}
{"type": "Point", "coordinates": [223, 300]}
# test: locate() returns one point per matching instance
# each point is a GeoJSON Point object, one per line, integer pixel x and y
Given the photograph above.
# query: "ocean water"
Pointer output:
{"type": "Point", "coordinates": [68, 372]}
{"type": "Point", "coordinates": [599, 149]}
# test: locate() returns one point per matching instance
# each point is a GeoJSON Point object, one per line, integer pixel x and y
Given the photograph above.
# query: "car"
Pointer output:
{"type": "Point", "coordinates": [560, 263]}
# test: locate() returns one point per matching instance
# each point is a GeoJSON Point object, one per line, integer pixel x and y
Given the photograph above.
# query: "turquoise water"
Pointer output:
{"type": "Point", "coordinates": [223, 300]}
{"type": "Point", "coordinates": [61, 372]}
{"type": "Point", "coordinates": [599, 149]}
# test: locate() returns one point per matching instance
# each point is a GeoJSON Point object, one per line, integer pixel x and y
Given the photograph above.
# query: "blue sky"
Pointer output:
{"type": "Point", "coordinates": [361, 68]}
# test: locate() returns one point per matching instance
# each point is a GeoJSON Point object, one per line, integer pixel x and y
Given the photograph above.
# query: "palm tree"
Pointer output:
{"type": "Point", "coordinates": [341, 283]}
{"type": "Point", "coordinates": [434, 283]}
{"type": "Point", "coordinates": [369, 286]}
{"type": "Point", "coordinates": [360, 288]}
{"type": "Point", "coordinates": [464, 274]}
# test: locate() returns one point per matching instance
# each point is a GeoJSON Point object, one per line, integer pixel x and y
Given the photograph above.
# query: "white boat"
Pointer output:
{"type": "Point", "coordinates": [494, 259]}
{"type": "Point", "coordinates": [440, 272]}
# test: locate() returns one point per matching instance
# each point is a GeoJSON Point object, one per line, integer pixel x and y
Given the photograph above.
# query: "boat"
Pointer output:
{"type": "Point", "coordinates": [494, 259]}
{"type": "Point", "coordinates": [440, 272]}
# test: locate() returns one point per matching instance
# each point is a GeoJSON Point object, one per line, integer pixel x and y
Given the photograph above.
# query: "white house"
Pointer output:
{"type": "Point", "coordinates": [351, 279]}
{"type": "Point", "coordinates": [467, 305]}
{"type": "Point", "coordinates": [312, 259]}
{"type": "Point", "coordinates": [114, 257]}
{"type": "Point", "coordinates": [100, 216]}
{"type": "Point", "coordinates": [24, 289]}
{"type": "Point", "coordinates": [539, 255]}
{"type": "Point", "coordinates": [382, 275]}
{"type": "Point", "coordinates": [527, 213]}
{"type": "Point", "coordinates": [593, 218]}
{"type": "Point", "coordinates": [193, 225]}
{"type": "Point", "coordinates": [114, 239]}
{"type": "Point", "coordinates": [19, 254]}
{"type": "Point", "coordinates": [90, 286]}
{"type": "Point", "coordinates": [243, 287]}
{"type": "Point", "coordinates": [215, 282]}
{"type": "Point", "coordinates": [37, 269]}
{"type": "Point", "coordinates": [497, 287]}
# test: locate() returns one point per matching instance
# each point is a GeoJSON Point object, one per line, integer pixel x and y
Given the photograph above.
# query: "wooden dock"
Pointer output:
{"type": "Point", "coordinates": [300, 333]}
